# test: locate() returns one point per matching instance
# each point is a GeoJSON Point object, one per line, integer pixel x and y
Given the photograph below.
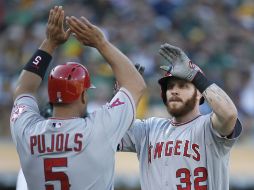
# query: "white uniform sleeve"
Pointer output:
{"type": "Point", "coordinates": [133, 138]}
{"type": "Point", "coordinates": [117, 116]}
{"type": "Point", "coordinates": [222, 145]}
{"type": "Point", "coordinates": [21, 181]}
{"type": "Point", "coordinates": [25, 112]}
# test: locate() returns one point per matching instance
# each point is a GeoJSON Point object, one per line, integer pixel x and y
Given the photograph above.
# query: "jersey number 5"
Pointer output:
{"type": "Point", "coordinates": [200, 175]}
{"type": "Point", "coordinates": [49, 164]}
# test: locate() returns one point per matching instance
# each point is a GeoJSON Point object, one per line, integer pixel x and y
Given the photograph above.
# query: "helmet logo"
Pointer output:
{"type": "Point", "coordinates": [59, 97]}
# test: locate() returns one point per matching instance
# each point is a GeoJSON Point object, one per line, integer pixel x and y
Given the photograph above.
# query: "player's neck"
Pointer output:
{"type": "Point", "coordinates": [187, 117]}
{"type": "Point", "coordinates": [65, 112]}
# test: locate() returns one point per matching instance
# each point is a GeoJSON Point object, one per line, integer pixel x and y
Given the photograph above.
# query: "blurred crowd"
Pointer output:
{"type": "Point", "coordinates": [218, 35]}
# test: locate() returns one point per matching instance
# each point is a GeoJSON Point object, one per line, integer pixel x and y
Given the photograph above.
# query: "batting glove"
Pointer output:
{"type": "Point", "coordinates": [179, 64]}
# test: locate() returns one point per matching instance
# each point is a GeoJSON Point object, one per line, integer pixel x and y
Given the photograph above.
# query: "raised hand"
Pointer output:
{"type": "Point", "coordinates": [55, 32]}
{"type": "Point", "coordinates": [179, 63]}
{"type": "Point", "coordinates": [87, 33]}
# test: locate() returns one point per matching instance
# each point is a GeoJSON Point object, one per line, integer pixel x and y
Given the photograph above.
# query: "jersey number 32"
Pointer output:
{"type": "Point", "coordinates": [200, 175]}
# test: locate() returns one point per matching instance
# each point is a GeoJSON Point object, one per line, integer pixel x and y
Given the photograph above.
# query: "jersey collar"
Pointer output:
{"type": "Point", "coordinates": [183, 123]}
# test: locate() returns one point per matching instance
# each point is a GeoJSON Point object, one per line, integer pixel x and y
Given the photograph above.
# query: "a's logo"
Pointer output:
{"type": "Point", "coordinates": [117, 102]}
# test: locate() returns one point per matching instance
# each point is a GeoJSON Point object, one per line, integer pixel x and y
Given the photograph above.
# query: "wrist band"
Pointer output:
{"type": "Point", "coordinates": [38, 63]}
{"type": "Point", "coordinates": [201, 82]}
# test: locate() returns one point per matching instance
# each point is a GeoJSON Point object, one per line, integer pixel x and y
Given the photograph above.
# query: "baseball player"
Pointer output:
{"type": "Point", "coordinates": [47, 112]}
{"type": "Point", "coordinates": [189, 151]}
{"type": "Point", "coordinates": [68, 151]}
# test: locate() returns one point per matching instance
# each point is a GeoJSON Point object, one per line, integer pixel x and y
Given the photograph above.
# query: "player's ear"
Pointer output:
{"type": "Point", "coordinates": [199, 95]}
{"type": "Point", "coordinates": [84, 97]}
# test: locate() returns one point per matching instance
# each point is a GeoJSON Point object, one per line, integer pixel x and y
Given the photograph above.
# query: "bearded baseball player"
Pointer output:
{"type": "Point", "coordinates": [67, 151]}
{"type": "Point", "coordinates": [189, 151]}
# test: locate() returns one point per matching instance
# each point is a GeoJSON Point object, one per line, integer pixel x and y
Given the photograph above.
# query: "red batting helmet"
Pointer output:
{"type": "Point", "coordinates": [164, 81]}
{"type": "Point", "coordinates": [67, 82]}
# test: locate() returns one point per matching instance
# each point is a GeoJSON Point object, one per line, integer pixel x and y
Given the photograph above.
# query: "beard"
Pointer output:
{"type": "Point", "coordinates": [185, 108]}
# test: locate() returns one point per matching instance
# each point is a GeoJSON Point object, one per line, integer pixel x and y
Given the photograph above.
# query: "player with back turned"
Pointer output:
{"type": "Point", "coordinates": [47, 112]}
{"type": "Point", "coordinates": [68, 151]}
{"type": "Point", "coordinates": [188, 151]}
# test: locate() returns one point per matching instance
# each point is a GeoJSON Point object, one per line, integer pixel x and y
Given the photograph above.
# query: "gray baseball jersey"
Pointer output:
{"type": "Point", "coordinates": [187, 156]}
{"type": "Point", "coordinates": [74, 153]}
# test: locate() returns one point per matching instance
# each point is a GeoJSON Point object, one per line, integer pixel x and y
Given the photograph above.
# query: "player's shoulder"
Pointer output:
{"type": "Point", "coordinates": [152, 122]}
{"type": "Point", "coordinates": [124, 92]}
{"type": "Point", "coordinates": [23, 104]}
{"type": "Point", "coordinates": [200, 122]}
{"type": "Point", "coordinates": [158, 119]}
{"type": "Point", "coordinates": [204, 117]}
{"type": "Point", "coordinates": [24, 98]}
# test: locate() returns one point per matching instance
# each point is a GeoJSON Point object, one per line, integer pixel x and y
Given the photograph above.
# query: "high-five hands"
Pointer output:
{"type": "Point", "coordinates": [55, 32]}
{"type": "Point", "coordinates": [85, 32]}
{"type": "Point", "coordinates": [179, 64]}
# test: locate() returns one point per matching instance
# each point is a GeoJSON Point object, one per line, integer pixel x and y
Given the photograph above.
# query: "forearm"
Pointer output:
{"type": "Point", "coordinates": [48, 47]}
{"type": "Point", "coordinates": [32, 74]}
{"type": "Point", "coordinates": [24, 87]}
{"type": "Point", "coordinates": [225, 112]}
{"type": "Point", "coordinates": [125, 72]}
{"type": "Point", "coordinates": [35, 69]}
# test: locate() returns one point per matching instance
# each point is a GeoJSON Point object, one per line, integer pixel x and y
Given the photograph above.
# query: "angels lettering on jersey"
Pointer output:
{"type": "Point", "coordinates": [170, 148]}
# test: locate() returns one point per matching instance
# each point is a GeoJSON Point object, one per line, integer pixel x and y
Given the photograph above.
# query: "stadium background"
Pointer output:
{"type": "Point", "coordinates": [218, 35]}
